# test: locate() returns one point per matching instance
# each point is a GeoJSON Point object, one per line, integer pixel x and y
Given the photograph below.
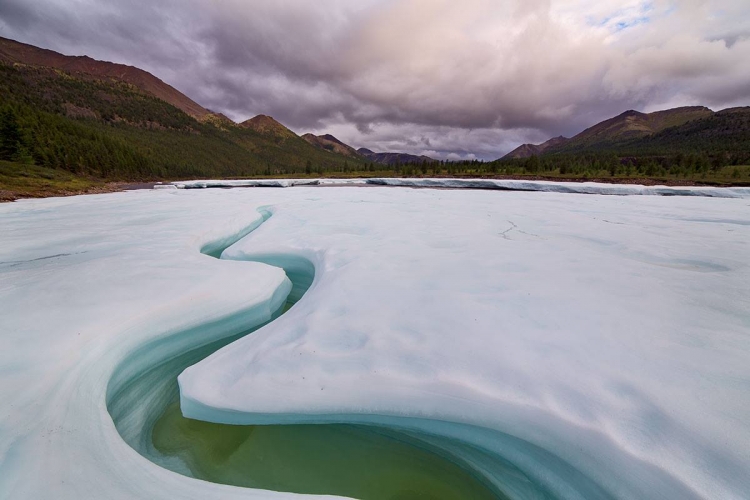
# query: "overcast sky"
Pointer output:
{"type": "Point", "coordinates": [454, 79]}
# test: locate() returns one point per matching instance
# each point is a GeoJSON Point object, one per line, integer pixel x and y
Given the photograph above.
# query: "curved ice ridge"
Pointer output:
{"type": "Point", "coordinates": [511, 466]}
{"type": "Point", "coordinates": [567, 187]}
{"type": "Point", "coordinates": [206, 184]}
{"type": "Point", "coordinates": [146, 381]}
{"type": "Point", "coordinates": [496, 184]}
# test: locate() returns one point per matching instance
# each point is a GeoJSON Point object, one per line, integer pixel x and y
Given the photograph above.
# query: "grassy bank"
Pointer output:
{"type": "Point", "coordinates": [32, 181]}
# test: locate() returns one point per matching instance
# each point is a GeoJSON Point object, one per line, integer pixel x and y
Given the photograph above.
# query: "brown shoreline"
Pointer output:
{"type": "Point", "coordinates": [109, 187]}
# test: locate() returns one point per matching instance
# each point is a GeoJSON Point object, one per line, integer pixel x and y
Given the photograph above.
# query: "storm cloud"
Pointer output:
{"type": "Point", "coordinates": [449, 79]}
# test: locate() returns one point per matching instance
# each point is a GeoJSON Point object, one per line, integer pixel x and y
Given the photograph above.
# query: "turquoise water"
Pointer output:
{"type": "Point", "coordinates": [347, 460]}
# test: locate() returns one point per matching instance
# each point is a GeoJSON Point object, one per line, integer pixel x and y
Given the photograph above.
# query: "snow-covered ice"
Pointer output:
{"type": "Point", "coordinates": [567, 187]}
{"type": "Point", "coordinates": [205, 184]}
{"type": "Point", "coordinates": [494, 184]}
{"type": "Point", "coordinates": [562, 345]}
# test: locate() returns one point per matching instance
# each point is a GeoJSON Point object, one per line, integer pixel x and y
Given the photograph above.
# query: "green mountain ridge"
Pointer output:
{"type": "Point", "coordinates": [107, 123]}
{"type": "Point", "coordinates": [13, 53]}
{"type": "Point", "coordinates": [691, 144]}
{"type": "Point", "coordinates": [693, 129]}
{"type": "Point", "coordinates": [632, 125]}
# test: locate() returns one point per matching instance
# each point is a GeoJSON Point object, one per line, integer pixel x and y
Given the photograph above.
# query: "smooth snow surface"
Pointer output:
{"type": "Point", "coordinates": [559, 345]}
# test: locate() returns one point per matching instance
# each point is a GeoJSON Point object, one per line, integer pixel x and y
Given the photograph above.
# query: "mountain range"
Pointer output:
{"type": "Point", "coordinates": [330, 143]}
{"type": "Point", "coordinates": [111, 120]}
{"type": "Point", "coordinates": [103, 120]}
{"type": "Point", "coordinates": [393, 158]}
{"type": "Point", "coordinates": [685, 129]}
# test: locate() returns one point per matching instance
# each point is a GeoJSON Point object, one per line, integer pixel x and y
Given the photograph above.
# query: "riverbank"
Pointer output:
{"type": "Point", "coordinates": [18, 181]}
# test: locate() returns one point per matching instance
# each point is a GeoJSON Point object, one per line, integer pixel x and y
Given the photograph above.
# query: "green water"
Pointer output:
{"type": "Point", "coordinates": [346, 460]}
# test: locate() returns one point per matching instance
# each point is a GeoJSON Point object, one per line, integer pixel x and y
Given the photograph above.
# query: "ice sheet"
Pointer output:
{"type": "Point", "coordinates": [600, 344]}
{"type": "Point", "coordinates": [245, 183]}
{"type": "Point", "coordinates": [85, 282]}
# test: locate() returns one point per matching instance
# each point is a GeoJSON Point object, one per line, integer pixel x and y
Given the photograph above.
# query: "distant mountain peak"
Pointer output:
{"type": "Point", "coordinates": [265, 124]}
{"type": "Point", "coordinates": [331, 138]}
{"type": "Point", "coordinates": [330, 143]}
{"type": "Point", "coordinates": [528, 150]}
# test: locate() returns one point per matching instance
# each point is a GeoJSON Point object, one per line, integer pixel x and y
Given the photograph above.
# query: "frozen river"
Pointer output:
{"type": "Point", "coordinates": [497, 344]}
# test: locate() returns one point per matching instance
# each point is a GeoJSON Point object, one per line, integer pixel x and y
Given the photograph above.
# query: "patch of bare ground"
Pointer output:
{"type": "Point", "coordinates": [7, 195]}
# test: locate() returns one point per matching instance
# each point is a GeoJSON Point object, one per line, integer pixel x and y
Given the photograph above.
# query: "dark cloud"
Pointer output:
{"type": "Point", "coordinates": [419, 76]}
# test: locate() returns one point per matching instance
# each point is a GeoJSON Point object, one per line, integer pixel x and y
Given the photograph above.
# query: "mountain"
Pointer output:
{"type": "Point", "coordinates": [330, 143]}
{"type": "Point", "coordinates": [725, 133]}
{"type": "Point", "coordinates": [624, 128]}
{"type": "Point", "coordinates": [528, 150]}
{"type": "Point", "coordinates": [633, 125]}
{"type": "Point", "coordinates": [393, 158]}
{"type": "Point", "coordinates": [109, 121]}
{"type": "Point", "coordinates": [12, 52]}
{"type": "Point", "coordinates": [264, 124]}
{"type": "Point", "coordinates": [683, 145]}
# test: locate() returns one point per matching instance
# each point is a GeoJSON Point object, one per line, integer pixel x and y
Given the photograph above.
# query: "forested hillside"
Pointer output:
{"type": "Point", "coordinates": [114, 130]}
{"type": "Point", "coordinates": [694, 144]}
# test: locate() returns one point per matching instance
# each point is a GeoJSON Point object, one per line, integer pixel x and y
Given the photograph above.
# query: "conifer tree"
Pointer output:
{"type": "Point", "coordinates": [10, 135]}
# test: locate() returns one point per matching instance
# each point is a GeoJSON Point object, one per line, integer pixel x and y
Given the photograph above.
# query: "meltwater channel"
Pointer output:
{"type": "Point", "coordinates": [363, 461]}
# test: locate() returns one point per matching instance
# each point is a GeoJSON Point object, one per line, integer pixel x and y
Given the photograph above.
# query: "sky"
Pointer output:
{"type": "Point", "coordinates": [452, 80]}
